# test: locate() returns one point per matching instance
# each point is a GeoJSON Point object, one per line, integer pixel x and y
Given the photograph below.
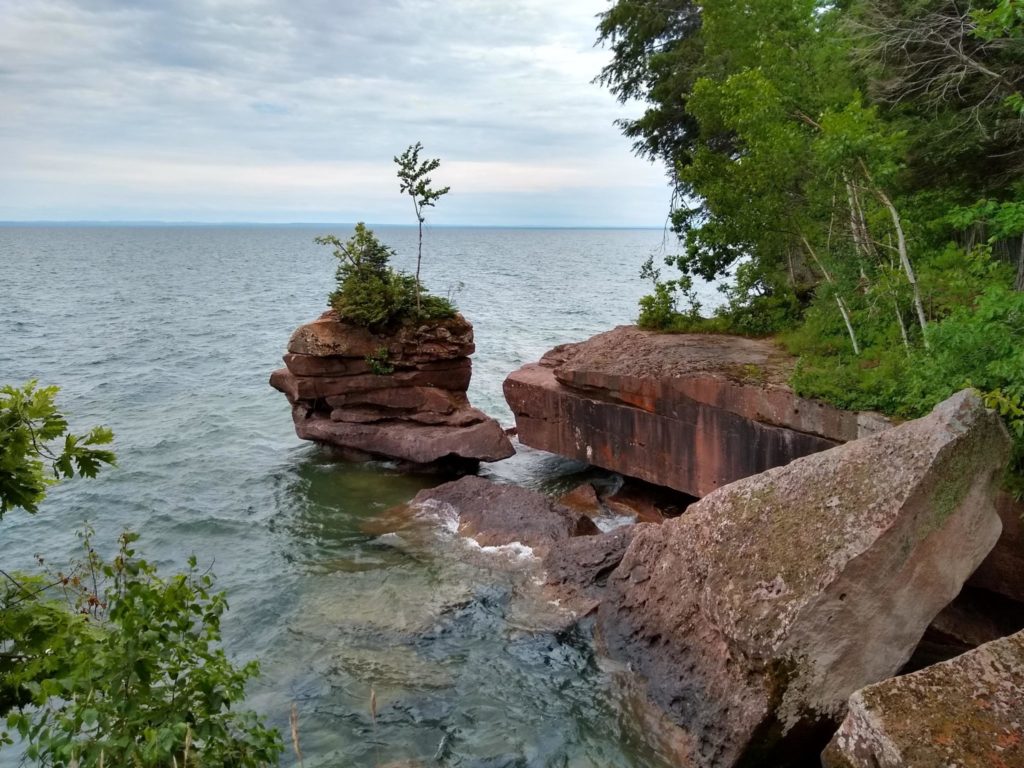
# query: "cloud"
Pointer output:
{"type": "Point", "coordinates": [275, 110]}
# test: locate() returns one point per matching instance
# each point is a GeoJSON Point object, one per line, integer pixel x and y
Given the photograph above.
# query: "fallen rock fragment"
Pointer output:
{"type": "Point", "coordinates": [581, 566]}
{"type": "Point", "coordinates": [754, 616]}
{"type": "Point", "coordinates": [967, 712]}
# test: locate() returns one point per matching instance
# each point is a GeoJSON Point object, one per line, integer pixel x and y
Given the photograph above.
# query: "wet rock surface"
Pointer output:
{"type": "Point", "coordinates": [689, 412]}
{"type": "Point", "coordinates": [497, 515]}
{"type": "Point", "coordinates": [580, 567]}
{"type": "Point", "coordinates": [400, 395]}
{"type": "Point", "coordinates": [967, 712]}
{"type": "Point", "coordinates": [754, 616]}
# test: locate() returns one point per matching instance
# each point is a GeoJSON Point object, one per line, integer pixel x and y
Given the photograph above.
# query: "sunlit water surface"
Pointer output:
{"type": "Point", "coordinates": [168, 335]}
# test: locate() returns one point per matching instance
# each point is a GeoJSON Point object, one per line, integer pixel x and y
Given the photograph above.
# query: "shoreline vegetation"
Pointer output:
{"type": "Point", "coordinates": [854, 173]}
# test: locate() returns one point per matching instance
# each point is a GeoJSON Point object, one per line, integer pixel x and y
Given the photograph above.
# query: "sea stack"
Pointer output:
{"type": "Point", "coordinates": [398, 395]}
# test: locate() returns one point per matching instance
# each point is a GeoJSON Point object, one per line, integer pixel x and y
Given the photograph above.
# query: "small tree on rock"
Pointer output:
{"type": "Point", "coordinates": [369, 292]}
{"type": "Point", "coordinates": [414, 181]}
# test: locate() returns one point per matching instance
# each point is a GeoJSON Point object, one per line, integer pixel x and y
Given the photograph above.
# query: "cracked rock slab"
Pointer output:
{"type": "Point", "coordinates": [967, 712]}
{"type": "Point", "coordinates": [755, 615]}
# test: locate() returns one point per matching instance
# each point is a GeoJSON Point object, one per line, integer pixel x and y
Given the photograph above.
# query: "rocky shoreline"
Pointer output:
{"type": "Point", "coordinates": [779, 614]}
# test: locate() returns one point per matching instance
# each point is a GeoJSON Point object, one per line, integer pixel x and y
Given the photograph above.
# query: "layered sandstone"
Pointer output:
{"type": "Point", "coordinates": [967, 712]}
{"type": "Point", "coordinates": [399, 396]}
{"type": "Point", "coordinates": [754, 616]}
{"type": "Point", "coordinates": [691, 412]}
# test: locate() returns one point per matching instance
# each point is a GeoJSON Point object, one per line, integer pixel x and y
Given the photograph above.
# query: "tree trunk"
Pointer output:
{"type": "Point", "coordinates": [843, 309]}
{"type": "Point", "coordinates": [908, 268]}
{"type": "Point", "coordinates": [419, 253]}
{"type": "Point", "coordinates": [899, 319]}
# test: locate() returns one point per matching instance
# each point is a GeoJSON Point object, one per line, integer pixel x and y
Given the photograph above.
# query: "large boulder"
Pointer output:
{"type": "Point", "coordinates": [967, 712]}
{"type": "Point", "coordinates": [400, 395]}
{"type": "Point", "coordinates": [754, 616]}
{"type": "Point", "coordinates": [691, 412]}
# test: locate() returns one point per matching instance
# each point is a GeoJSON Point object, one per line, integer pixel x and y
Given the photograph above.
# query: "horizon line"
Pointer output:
{"type": "Point", "coordinates": [242, 223]}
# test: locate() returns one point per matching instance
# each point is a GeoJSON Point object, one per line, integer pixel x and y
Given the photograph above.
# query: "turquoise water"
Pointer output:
{"type": "Point", "coordinates": [168, 335]}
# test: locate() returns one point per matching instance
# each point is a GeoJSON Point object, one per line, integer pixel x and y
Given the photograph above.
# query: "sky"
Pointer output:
{"type": "Point", "coordinates": [292, 110]}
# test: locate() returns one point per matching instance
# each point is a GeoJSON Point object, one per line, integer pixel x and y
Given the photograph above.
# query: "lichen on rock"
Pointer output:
{"type": "Point", "coordinates": [755, 615]}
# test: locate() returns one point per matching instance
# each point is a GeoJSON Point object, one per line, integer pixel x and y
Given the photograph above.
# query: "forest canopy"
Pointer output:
{"type": "Point", "coordinates": [852, 172]}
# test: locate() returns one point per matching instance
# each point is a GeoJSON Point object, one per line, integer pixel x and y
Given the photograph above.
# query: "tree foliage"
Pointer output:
{"type": "Point", "coordinates": [851, 172]}
{"type": "Point", "coordinates": [369, 292]}
{"type": "Point", "coordinates": [37, 449]}
{"type": "Point", "coordinates": [103, 662]}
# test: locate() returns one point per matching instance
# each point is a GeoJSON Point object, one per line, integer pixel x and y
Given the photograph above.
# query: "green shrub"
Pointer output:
{"type": "Point", "coordinates": [380, 362]}
{"type": "Point", "coordinates": [106, 663]}
{"type": "Point", "coordinates": [122, 667]}
{"type": "Point", "coordinates": [369, 292]}
{"type": "Point", "coordinates": [976, 345]}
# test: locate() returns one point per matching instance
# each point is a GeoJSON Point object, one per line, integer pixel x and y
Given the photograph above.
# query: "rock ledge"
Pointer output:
{"type": "Point", "coordinates": [691, 412]}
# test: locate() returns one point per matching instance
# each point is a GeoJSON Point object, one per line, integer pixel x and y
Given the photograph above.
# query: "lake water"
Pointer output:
{"type": "Point", "coordinates": [168, 336]}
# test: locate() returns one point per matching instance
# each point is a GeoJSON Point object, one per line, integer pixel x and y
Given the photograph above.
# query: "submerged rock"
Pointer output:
{"type": "Point", "coordinates": [496, 515]}
{"type": "Point", "coordinates": [754, 616]}
{"type": "Point", "coordinates": [687, 411]}
{"type": "Point", "coordinates": [399, 396]}
{"type": "Point", "coordinates": [967, 712]}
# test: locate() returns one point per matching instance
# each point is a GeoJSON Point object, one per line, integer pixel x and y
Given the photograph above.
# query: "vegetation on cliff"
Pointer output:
{"type": "Point", "coordinates": [105, 662]}
{"type": "Point", "coordinates": [370, 293]}
{"type": "Point", "coordinates": [854, 173]}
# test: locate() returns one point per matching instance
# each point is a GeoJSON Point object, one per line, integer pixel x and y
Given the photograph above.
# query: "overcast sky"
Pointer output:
{"type": "Point", "coordinates": [291, 110]}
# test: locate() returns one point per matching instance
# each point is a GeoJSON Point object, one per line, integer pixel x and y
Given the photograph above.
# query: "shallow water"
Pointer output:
{"type": "Point", "coordinates": [168, 335]}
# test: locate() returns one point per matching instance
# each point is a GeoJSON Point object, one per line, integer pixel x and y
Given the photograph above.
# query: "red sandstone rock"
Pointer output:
{"type": "Point", "coordinates": [690, 412]}
{"type": "Point", "coordinates": [576, 570]}
{"type": "Point", "coordinates": [580, 566]}
{"type": "Point", "coordinates": [647, 503]}
{"type": "Point", "coordinates": [967, 712]}
{"type": "Point", "coordinates": [454, 378]}
{"type": "Point", "coordinates": [418, 413]}
{"type": "Point", "coordinates": [423, 399]}
{"type": "Point", "coordinates": [311, 365]}
{"type": "Point", "coordinates": [1003, 570]}
{"type": "Point", "coordinates": [496, 515]}
{"type": "Point", "coordinates": [755, 615]}
{"type": "Point", "coordinates": [406, 440]}
{"type": "Point", "coordinates": [582, 498]}
{"type": "Point", "coordinates": [462, 417]}
{"type": "Point", "coordinates": [436, 340]}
